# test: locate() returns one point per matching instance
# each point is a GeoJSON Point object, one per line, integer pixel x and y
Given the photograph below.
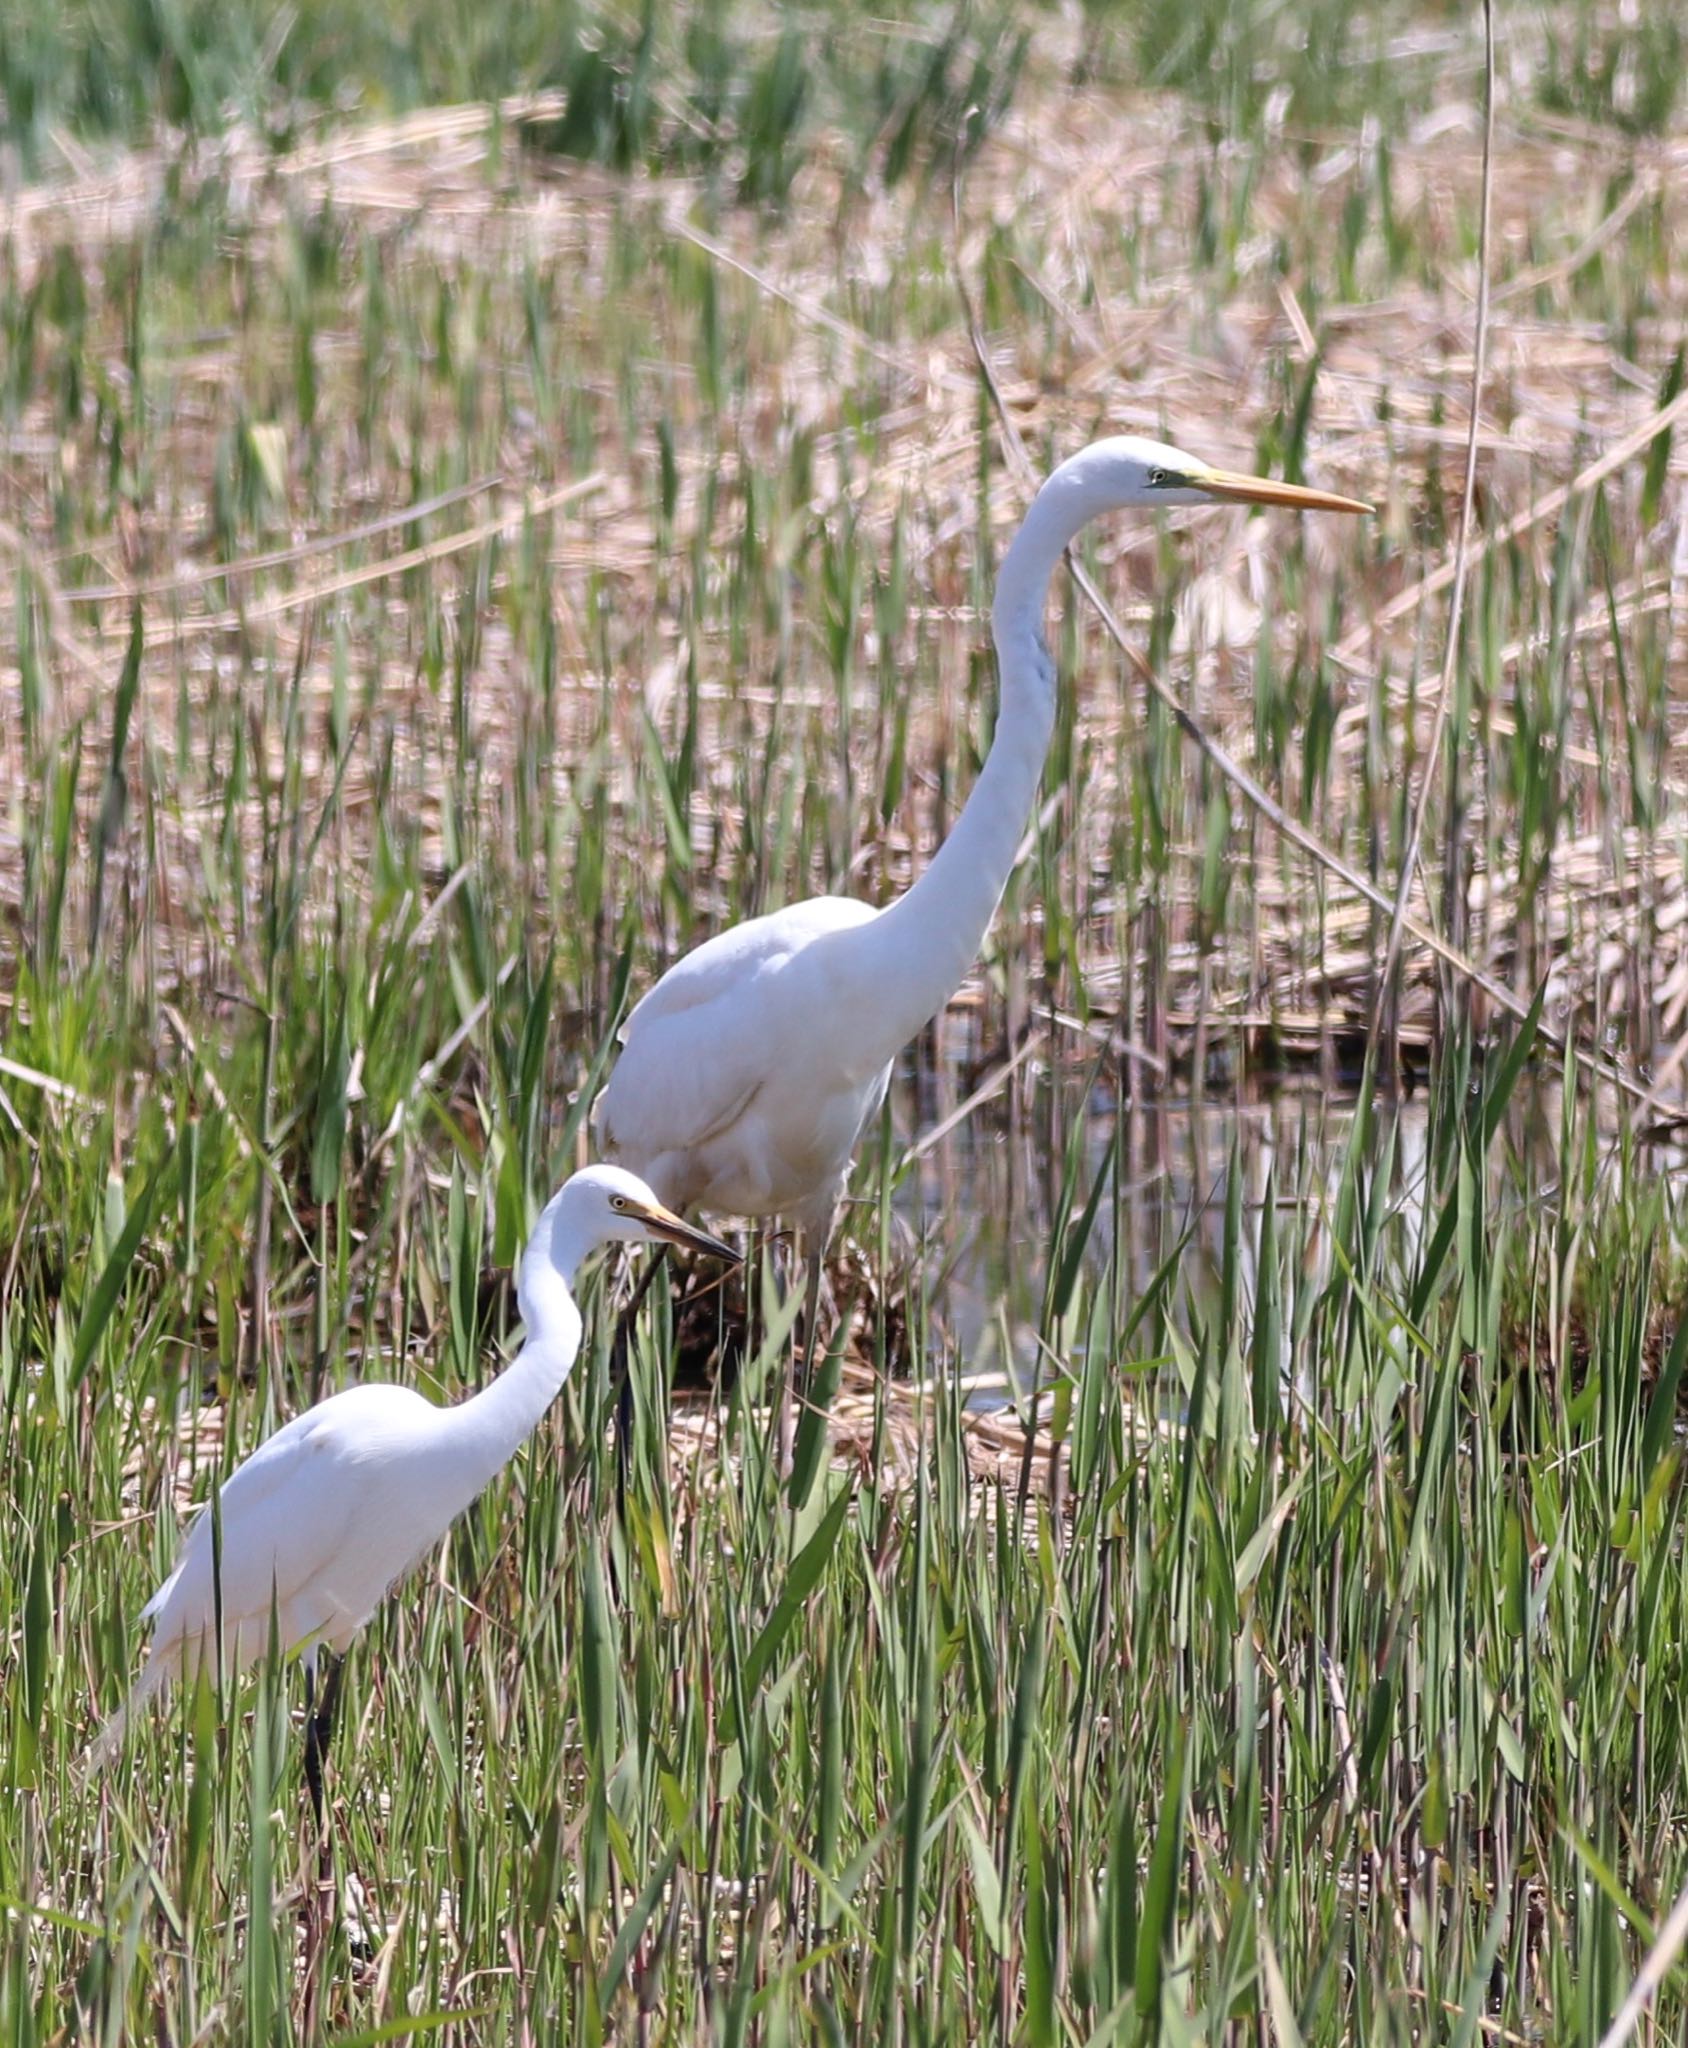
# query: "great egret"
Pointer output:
{"type": "Point", "coordinates": [747, 1073]}
{"type": "Point", "coordinates": [344, 1499]}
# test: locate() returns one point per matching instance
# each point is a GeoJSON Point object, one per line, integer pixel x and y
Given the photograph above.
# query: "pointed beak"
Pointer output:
{"type": "Point", "coordinates": [663, 1223]}
{"type": "Point", "coordinates": [1232, 489]}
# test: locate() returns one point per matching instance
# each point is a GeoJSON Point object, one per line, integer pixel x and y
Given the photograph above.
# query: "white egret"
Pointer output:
{"type": "Point", "coordinates": [343, 1500]}
{"type": "Point", "coordinates": [748, 1072]}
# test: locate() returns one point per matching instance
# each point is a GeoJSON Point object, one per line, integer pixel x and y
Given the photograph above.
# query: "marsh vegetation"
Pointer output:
{"type": "Point", "coordinates": [483, 507]}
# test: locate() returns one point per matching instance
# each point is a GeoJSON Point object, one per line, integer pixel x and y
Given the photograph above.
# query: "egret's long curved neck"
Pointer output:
{"type": "Point", "coordinates": [488, 1430]}
{"type": "Point", "coordinates": [924, 943]}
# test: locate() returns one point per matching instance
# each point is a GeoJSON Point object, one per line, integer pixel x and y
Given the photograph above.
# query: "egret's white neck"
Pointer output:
{"type": "Point", "coordinates": [924, 943]}
{"type": "Point", "coordinates": [498, 1421]}
{"type": "Point", "coordinates": [1084, 487]}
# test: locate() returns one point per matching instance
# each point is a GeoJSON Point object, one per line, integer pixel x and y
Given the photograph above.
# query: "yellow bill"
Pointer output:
{"type": "Point", "coordinates": [1233, 489]}
{"type": "Point", "coordinates": [663, 1223]}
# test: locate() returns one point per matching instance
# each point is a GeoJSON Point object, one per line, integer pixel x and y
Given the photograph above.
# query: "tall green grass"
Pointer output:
{"type": "Point", "coordinates": [1344, 1685]}
{"type": "Point", "coordinates": [740, 96]}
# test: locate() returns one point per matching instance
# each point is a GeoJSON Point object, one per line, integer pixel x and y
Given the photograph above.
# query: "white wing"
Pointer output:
{"type": "Point", "coordinates": [742, 953]}
{"type": "Point", "coordinates": [291, 1522]}
{"type": "Point", "coordinates": [696, 1047]}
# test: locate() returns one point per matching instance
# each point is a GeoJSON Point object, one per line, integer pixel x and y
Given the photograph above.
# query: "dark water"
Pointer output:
{"type": "Point", "coordinates": [980, 1204]}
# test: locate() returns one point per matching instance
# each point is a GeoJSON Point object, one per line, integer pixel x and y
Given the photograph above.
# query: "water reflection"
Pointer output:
{"type": "Point", "coordinates": [982, 1196]}
{"type": "Point", "coordinates": [981, 1203]}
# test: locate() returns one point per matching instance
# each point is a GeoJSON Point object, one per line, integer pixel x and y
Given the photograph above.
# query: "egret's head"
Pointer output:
{"type": "Point", "coordinates": [606, 1205]}
{"type": "Point", "coordinates": [1131, 471]}
{"type": "Point", "coordinates": [1120, 474]}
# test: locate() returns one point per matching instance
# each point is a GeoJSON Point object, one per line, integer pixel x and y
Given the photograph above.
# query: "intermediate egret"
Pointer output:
{"type": "Point", "coordinates": [326, 1514]}
{"type": "Point", "coordinates": [747, 1073]}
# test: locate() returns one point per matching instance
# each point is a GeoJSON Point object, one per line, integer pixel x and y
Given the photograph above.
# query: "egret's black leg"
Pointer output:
{"type": "Point", "coordinates": [623, 1438]}
{"type": "Point", "coordinates": [320, 1705]}
{"type": "Point", "coordinates": [621, 1374]}
{"type": "Point", "coordinates": [811, 1319]}
{"type": "Point", "coordinates": [319, 1727]}
{"type": "Point", "coordinates": [794, 1381]}
{"type": "Point", "coordinates": [313, 1763]}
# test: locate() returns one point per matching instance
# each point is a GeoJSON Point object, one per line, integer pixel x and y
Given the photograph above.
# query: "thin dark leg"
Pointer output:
{"type": "Point", "coordinates": [811, 1319]}
{"type": "Point", "coordinates": [319, 1899]}
{"type": "Point", "coordinates": [313, 1763]}
{"type": "Point", "coordinates": [621, 1374]}
{"type": "Point", "coordinates": [623, 1437]}
{"type": "Point", "coordinates": [319, 1726]}
{"type": "Point", "coordinates": [794, 1388]}
{"type": "Point", "coordinates": [755, 1290]}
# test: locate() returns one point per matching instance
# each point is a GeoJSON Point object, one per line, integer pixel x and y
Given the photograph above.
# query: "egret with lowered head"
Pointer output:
{"type": "Point", "coordinates": [326, 1514]}
{"type": "Point", "coordinates": [748, 1072]}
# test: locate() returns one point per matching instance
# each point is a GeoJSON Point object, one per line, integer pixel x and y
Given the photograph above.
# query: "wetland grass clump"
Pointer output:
{"type": "Point", "coordinates": [1230, 1583]}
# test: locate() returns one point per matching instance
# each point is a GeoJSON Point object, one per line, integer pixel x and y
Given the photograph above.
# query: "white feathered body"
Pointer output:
{"type": "Point", "coordinates": [326, 1514]}
{"type": "Point", "coordinates": [318, 1523]}
{"type": "Point", "coordinates": [748, 1071]}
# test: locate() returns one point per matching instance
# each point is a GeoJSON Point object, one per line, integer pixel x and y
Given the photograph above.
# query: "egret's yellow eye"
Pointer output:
{"type": "Point", "coordinates": [1158, 479]}
{"type": "Point", "coordinates": [618, 1202]}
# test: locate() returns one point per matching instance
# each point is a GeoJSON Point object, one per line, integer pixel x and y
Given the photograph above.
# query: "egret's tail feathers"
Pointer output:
{"type": "Point", "coordinates": [109, 1740]}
